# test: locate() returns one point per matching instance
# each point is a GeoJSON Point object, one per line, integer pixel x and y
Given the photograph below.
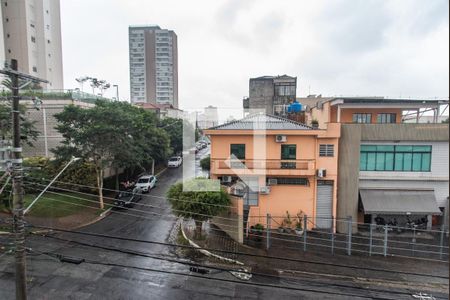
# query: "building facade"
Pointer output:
{"type": "Point", "coordinates": [271, 94]}
{"type": "Point", "coordinates": [388, 169]}
{"type": "Point", "coordinates": [209, 118]}
{"type": "Point", "coordinates": [32, 36]}
{"type": "Point", "coordinates": [279, 167]}
{"type": "Point", "coordinates": [153, 56]}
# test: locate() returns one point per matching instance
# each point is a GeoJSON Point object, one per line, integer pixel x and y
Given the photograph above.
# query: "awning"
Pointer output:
{"type": "Point", "coordinates": [399, 202]}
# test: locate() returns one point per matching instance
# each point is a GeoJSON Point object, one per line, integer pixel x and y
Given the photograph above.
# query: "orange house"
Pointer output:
{"type": "Point", "coordinates": [278, 166]}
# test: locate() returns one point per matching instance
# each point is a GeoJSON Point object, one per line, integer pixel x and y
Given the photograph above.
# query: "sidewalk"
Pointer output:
{"type": "Point", "coordinates": [322, 264]}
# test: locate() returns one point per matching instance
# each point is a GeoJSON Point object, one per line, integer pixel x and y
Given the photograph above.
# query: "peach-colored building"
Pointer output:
{"type": "Point", "coordinates": [278, 165]}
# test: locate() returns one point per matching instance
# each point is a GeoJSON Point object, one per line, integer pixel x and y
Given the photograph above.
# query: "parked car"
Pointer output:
{"type": "Point", "coordinates": [146, 183]}
{"type": "Point", "coordinates": [174, 162]}
{"type": "Point", "coordinates": [128, 197]}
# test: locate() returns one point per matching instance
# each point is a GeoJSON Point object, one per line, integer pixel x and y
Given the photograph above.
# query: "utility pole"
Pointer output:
{"type": "Point", "coordinates": [19, 227]}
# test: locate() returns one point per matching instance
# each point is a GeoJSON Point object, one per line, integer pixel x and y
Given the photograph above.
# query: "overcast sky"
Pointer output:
{"type": "Point", "coordinates": [385, 48]}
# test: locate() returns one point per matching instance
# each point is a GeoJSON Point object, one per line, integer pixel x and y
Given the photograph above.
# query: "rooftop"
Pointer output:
{"type": "Point", "coordinates": [262, 121]}
{"type": "Point", "coordinates": [76, 95]}
{"type": "Point", "coordinates": [270, 77]}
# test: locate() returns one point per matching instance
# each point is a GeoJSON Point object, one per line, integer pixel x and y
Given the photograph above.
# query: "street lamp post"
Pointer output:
{"type": "Point", "coordinates": [74, 159]}
{"type": "Point", "coordinates": [117, 91]}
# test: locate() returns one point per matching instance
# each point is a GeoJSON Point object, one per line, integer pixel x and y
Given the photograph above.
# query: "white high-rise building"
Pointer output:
{"type": "Point", "coordinates": [153, 65]}
{"type": "Point", "coordinates": [32, 35]}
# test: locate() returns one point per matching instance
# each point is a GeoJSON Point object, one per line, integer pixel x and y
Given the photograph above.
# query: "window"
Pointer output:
{"type": "Point", "coordinates": [7, 20]}
{"type": "Point", "coordinates": [9, 50]}
{"type": "Point", "coordinates": [326, 150]}
{"type": "Point", "coordinates": [8, 35]}
{"type": "Point", "coordinates": [288, 181]}
{"type": "Point", "coordinates": [33, 39]}
{"type": "Point", "coordinates": [362, 118]}
{"type": "Point", "coordinates": [48, 41]}
{"type": "Point", "coordinates": [386, 118]}
{"type": "Point", "coordinates": [288, 151]}
{"type": "Point", "coordinates": [32, 25]}
{"type": "Point", "coordinates": [403, 158]}
{"type": "Point", "coordinates": [238, 150]}
{"type": "Point", "coordinates": [34, 69]}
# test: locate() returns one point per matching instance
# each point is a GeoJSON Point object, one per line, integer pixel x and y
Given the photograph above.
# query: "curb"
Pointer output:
{"type": "Point", "coordinates": [206, 252]}
{"type": "Point", "coordinates": [100, 217]}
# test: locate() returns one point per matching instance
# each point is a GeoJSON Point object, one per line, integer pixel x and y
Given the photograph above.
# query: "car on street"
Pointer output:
{"type": "Point", "coordinates": [128, 197]}
{"type": "Point", "coordinates": [174, 162]}
{"type": "Point", "coordinates": [146, 183]}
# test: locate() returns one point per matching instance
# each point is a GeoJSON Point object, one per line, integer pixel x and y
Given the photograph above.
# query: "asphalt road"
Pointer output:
{"type": "Point", "coordinates": [117, 275]}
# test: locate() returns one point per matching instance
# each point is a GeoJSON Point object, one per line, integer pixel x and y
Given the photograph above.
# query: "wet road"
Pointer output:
{"type": "Point", "coordinates": [109, 274]}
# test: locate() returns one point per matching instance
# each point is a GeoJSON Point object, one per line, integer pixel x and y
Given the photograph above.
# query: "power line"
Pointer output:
{"type": "Point", "coordinates": [133, 252]}
{"type": "Point", "coordinates": [250, 234]}
{"type": "Point", "coordinates": [236, 252]}
{"type": "Point", "coordinates": [265, 285]}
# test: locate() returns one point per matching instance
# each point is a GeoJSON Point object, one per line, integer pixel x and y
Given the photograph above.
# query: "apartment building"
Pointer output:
{"type": "Point", "coordinates": [32, 35]}
{"type": "Point", "coordinates": [209, 118]}
{"type": "Point", "coordinates": [153, 55]}
{"type": "Point", "coordinates": [389, 167]}
{"type": "Point", "coordinates": [271, 94]}
{"type": "Point", "coordinates": [278, 165]}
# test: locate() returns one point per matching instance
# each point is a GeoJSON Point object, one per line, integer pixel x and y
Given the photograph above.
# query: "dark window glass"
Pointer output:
{"type": "Point", "coordinates": [386, 118]}
{"type": "Point", "coordinates": [362, 118]}
{"type": "Point", "coordinates": [395, 158]}
{"type": "Point", "coordinates": [238, 150]}
{"type": "Point", "coordinates": [288, 151]}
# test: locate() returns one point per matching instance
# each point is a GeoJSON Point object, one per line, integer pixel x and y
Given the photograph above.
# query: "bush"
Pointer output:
{"type": "Point", "coordinates": [205, 163]}
{"type": "Point", "coordinates": [41, 170]}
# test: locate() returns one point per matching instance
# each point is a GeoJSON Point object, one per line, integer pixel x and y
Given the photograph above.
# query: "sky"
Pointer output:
{"type": "Point", "coordinates": [395, 48]}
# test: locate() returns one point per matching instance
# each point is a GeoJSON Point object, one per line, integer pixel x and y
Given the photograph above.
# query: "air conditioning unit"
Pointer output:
{"type": "Point", "coordinates": [272, 181]}
{"type": "Point", "coordinates": [280, 138]}
{"type": "Point", "coordinates": [226, 179]}
{"type": "Point", "coordinates": [264, 190]}
{"type": "Point", "coordinates": [321, 173]}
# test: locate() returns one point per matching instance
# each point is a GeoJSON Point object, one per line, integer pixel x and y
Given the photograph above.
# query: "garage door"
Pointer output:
{"type": "Point", "coordinates": [324, 204]}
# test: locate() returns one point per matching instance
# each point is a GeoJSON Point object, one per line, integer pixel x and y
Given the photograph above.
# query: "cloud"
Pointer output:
{"type": "Point", "coordinates": [365, 47]}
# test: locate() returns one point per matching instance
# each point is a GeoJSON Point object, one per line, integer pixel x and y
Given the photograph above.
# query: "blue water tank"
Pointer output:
{"type": "Point", "coordinates": [295, 107]}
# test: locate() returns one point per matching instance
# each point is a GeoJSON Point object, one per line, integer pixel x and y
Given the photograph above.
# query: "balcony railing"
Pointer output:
{"type": "Point", "coordinates": [267, 166]}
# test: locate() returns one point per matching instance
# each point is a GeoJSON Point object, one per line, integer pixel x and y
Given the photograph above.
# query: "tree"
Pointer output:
{"type": "Point", "coordinates": [28, 132]}
{"type": "Point", "coordinates": [110, 135]}
{"type": "Point", "coordinates": [445, 121]}
{"type": "Point", "coordinates": [205, 163]}
{"type": "Point", "coordinates": [82, 80]}
{"type": "Point", "coordinates": [198, 205]}
{"type": "Point", "coordinates": [174, 129]}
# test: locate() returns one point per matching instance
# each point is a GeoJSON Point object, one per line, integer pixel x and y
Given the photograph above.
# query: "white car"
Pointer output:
{"type": "Point", "coordinates": [174, 162]}
{"type": "Point", "coordinates": [146, 183]}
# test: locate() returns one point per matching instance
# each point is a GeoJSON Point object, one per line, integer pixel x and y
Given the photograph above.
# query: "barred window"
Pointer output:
{"type": "Point", "coordinates": [287, 181]}
{"type": "Point", "coordinates": [326, 150]}
{"type": "Point", "coordinates": [362, 118]}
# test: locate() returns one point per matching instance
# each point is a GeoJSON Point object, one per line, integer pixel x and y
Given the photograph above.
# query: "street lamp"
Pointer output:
{"type": "Point", "coordinates": [117, 91]}
{"type": "Point", "coordinates": [74, 159]}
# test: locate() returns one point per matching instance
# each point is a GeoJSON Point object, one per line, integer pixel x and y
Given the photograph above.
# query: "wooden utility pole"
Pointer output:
{"type": "Point", "coordinates": [17, 173]}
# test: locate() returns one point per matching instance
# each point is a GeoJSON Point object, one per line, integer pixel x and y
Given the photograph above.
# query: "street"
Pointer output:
{"type": "Point", "coordinates": [122, 269]}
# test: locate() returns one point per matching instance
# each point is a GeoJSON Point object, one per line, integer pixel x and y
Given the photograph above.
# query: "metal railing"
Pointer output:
{"type": "Point", "coordinates": [268, 164]}
{"type": "Point", "coordinates": [369, 239]}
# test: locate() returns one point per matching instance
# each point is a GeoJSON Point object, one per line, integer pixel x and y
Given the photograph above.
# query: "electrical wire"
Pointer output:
{"type": "Point", "coordinates": [236, 253]}
{"type": "Point", "coordinates": [133, 252]}
{"type": "Point", "coordinates": [259, 285]}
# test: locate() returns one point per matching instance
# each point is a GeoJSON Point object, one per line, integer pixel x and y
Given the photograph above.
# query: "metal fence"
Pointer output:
{"type": "Point", "coordinates": [359, 238]}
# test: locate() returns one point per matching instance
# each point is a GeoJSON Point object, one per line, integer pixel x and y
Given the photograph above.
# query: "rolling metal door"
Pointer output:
{"type": "Point", "coordinates": [324, 204]}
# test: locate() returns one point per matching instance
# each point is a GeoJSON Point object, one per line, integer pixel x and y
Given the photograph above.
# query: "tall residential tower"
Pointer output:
{"type": "Point", "coordinates": [32, 35]}
{"type": "Point", "coordinates": [153, 65]}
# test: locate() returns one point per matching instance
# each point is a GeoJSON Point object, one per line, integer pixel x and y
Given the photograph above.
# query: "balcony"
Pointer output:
{"type": "Point", "coordinates": [275, 167]}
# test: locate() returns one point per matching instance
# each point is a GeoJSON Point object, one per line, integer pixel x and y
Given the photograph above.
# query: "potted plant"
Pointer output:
{"type": "Point", "coordinates": [315, 123]}
{"type": "Point", "coordinates": [288, 223]}
{"type": "Point", "coordinates": [258, 231]}
{"type": "Point", "coordinates": [299, 224]}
